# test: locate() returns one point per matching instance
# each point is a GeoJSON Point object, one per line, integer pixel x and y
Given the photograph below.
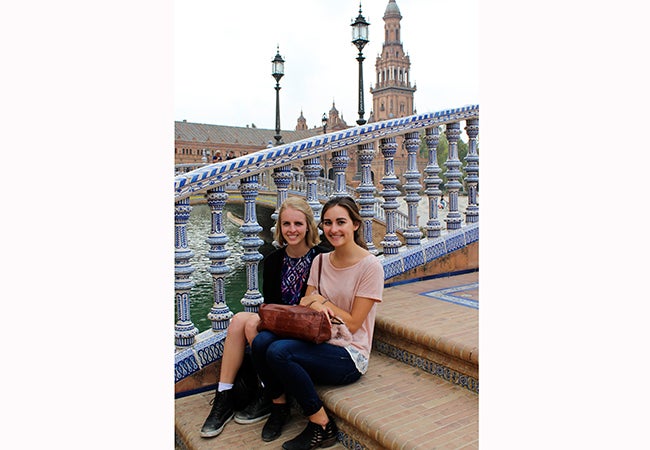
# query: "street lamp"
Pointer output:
{"type": "Point", "coordinates": [324, 120]}
{"type": "Point", "coordinates": [278, 72]}
{"type": "Point", "coordinates": [360, 39]}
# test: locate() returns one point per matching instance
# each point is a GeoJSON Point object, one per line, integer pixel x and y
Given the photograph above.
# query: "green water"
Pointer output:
{"type": "Point", "coordinates": [198, 228]}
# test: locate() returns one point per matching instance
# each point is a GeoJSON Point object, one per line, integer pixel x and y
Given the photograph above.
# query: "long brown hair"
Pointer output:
{"type": "Point", "coordinates": [299, 204]}
{"type": "Point", "coordinates": [353, 211]}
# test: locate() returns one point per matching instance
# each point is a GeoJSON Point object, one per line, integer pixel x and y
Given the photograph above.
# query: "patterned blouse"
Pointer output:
{"type": "Point", "coordinates": [295, 272]}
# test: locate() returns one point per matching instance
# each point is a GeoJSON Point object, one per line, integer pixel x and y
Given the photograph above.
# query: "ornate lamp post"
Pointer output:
{"type": "Point", "coordinates": [360, 39]}
{"type": "Point", "coordinates": [278, 72]}
{"type": "Point", "coordinates": [324, 121]}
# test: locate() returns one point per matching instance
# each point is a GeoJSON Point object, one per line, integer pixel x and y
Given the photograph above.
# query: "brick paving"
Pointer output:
{"type": "Point", "coordinates": [394, 405]}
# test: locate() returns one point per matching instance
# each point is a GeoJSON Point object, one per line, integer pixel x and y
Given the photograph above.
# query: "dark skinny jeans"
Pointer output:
{"type": "Point", "coordinates": [292, 366]}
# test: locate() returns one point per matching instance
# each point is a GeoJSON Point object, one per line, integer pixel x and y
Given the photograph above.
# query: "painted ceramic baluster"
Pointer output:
{"type": "Point", "coordinates": [432, 182]}
{"type": "Point", "coordinates": [366, 190]}
{"type": "Point", "coordinates": [471, 213]}
{"type": "Point", "coordinates": [219, 314]}
{"type": "Point", "coordinates": [282, 177]}
{"type": "Point", "coordinates": [412, 234]}
{"type": "Point", "coordinates": [340, 161]}
{"type": "Point", "coordinates": [390, 193]}
{"type": "Point", "coordinates": [453, 175]}
{"type": "Point", "coordinates": [251, 243]}
{"type": "Point", "coordinates": [311, 168]}
{"type": "Point", "coordinates": [184, 330]}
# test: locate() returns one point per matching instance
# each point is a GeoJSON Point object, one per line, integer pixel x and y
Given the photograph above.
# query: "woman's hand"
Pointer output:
{"type": "Point", "coordinates": [312, 299]}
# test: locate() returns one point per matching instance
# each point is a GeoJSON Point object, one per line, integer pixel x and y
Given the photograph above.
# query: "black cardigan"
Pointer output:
{"type": "Point", "coordinates": [272, 273]}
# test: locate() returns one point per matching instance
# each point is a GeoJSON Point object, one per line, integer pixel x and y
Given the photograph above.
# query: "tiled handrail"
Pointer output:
{"type": "Point", "coordinates": [215, 174]}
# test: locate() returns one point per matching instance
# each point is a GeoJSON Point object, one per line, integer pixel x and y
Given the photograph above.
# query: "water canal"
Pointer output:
{"type": "Point", "coordinates": [199, 226]}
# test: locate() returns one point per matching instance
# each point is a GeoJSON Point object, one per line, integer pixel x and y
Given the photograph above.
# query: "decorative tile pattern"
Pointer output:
{"type": "Point", "coordinates": [349, 442]}
{"type": "Point", "coordinates": [392, 268]}
{"type": "Point", "coordinates": [471, 233]}
{"type": "Point", "coordinates": [414, 260]}
{"type": "Point", "coordinates": [429, 249]}
{"type": "Point", "coordinates": [210, 350]}
{"type": "Point", "coordinates": [445, 295]}
{"type": "Point", "coordinates": [447, 374]}
{"type": "Point", "coordinates": [435, 250]}
{"type": "Point", "coordinates": [455, 242]}
{"type": "Point", "coordinates": [185, 364]}
{"type": "Point", "coordinates": [207, 349]}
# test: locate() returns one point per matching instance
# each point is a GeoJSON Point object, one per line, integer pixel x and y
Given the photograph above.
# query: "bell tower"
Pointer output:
{"type": "Point", "coordinates": [392, 95]}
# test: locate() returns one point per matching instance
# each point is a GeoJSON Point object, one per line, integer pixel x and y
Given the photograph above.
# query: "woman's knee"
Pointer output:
{"type": "Point", "coordinates": [250, 327]}
{"type": "Point", "coordinates": [281, 351]}
{"type": "Point", "coordinates": [239, 321]}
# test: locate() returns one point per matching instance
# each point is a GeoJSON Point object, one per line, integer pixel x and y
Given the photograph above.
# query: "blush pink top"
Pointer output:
{"type": "Point", "coordinates": [341, 286]}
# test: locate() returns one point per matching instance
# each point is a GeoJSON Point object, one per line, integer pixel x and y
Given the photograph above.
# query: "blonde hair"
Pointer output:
{"type": "Point", "coordinates": [299, 204]}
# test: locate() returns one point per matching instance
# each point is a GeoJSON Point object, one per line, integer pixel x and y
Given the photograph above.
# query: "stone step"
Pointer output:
{"type": "Point", "coordinates": [396, 406]}
{"type": "Point", "coordinates": [433, 325]}
{"type": "Point", "coordinates": [393, 406]}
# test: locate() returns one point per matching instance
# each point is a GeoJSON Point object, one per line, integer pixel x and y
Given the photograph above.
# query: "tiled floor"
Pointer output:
{"type": "Point", "coordinates": [451, 315]}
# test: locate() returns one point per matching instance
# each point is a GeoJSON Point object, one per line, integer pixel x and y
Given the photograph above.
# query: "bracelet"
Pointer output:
{"type": "Point", "coordinates": [310, 303]}
{"type": "Point", "coordinates": [324, 301]}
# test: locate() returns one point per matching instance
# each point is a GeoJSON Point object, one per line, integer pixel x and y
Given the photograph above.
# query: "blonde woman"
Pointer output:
{"type": "Point", "coordinates": [284, 280]}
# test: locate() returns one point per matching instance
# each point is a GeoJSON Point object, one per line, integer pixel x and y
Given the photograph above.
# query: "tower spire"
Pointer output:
{"type": "Point", "coordinates": [392, 95]}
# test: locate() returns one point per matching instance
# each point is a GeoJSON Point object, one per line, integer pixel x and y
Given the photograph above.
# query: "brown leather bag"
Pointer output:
{"type": "Point", "coordinates": [295, 321]}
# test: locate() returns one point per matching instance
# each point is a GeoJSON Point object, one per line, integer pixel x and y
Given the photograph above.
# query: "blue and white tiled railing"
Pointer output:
{"type": "Point", "coordinates": [250, 174]}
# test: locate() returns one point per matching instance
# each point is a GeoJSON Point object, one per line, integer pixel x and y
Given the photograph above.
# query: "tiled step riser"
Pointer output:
{"type": "Point", "coordinates": [353, 439]}
{"type": "Point", "coordinates": [455, 370]}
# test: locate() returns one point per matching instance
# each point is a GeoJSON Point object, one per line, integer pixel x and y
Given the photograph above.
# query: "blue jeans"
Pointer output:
{"type": "Point", "coordinates": [292, 366]}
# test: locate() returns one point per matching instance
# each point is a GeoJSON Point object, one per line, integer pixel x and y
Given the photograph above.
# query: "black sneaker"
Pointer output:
{"type": "Point", "coordinates": [257, 410]}
{"type": "Point", "coordinates": [220, 414]}
{"type": "Point", "coordinates": [278, 418]}
{"type": "Point", "coordinates": [313, 436]}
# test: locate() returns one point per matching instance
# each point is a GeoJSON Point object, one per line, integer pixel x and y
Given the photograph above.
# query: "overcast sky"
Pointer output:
{"type": "Point", "coordinates": [223, 53]}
